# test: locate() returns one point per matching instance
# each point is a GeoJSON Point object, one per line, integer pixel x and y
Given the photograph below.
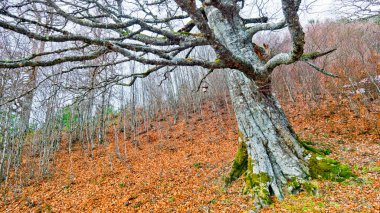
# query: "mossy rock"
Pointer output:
{"type": "Point", "coordinates": [321, 167]}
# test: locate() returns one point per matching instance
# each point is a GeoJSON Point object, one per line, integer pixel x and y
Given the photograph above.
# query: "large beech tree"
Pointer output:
{"type": "Point", "coordinates": [165, 33]}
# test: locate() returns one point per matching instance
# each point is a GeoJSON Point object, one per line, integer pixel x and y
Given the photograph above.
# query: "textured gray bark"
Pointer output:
{"type": "Point", "coordinates": [230, 32]}
{"type": "Point", "coordinates": [275, 156]}
{"type": "Point", "coordinates": [272, 145]}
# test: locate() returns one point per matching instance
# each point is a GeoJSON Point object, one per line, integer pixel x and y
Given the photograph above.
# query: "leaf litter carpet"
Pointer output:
{"type": "Point", "coordinates": [179, 168]}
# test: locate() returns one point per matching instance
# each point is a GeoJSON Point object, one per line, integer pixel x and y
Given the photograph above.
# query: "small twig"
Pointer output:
{"type": "Point", "coordinates": [166, 75]}
{"type": "Point", "coordinates": [203, 78]}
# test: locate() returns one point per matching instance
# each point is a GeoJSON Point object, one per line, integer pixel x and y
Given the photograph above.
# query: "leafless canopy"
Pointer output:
{"type": "Point", "coordinates": [158, 33]}
{"type": "Point", "coordinates": [360, 8]}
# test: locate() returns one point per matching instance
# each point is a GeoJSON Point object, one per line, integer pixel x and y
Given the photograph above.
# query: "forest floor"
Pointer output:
{"type": "Point", "coordinates": [179, 168]}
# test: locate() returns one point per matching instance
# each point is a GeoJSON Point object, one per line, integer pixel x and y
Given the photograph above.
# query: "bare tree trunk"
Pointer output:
{"type": "Point", "coordinates": [102, 118]}
{"type": "Point", "coordinates": [270, 146]}
{"type": "Point", "coordinates": [133, 111]}
{"type": "Point", "coordinates": [4, 141]}
{"type": "Point", "coordinates": [37, 47]}
{"type": "Point", "coordinates": [27, 104]}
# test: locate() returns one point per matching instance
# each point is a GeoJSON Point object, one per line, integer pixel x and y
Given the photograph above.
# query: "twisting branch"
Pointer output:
{"type": "Point", "coordinates": [266, 26]}
{"type": "Point", "coordinates": [290, 9]}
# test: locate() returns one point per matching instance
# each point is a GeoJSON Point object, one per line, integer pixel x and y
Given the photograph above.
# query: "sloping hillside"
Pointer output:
{"type": "Point", "coordinates": [179, 168]}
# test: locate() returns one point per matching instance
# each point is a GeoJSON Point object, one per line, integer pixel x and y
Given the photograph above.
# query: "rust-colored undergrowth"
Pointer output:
{"type": "Point", "coordinates": [180, 167]}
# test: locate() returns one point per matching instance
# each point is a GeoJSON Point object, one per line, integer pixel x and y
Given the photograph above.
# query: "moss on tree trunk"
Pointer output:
{"type": "Point", "coordinates": [273, 159]}
{"type": "Point", "coordinates": [320, 167]}
{"type": "Point", "coordinates": [239, 166]}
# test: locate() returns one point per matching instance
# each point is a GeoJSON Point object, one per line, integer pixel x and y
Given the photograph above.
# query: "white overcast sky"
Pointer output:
{"type": "Point", "coordinates": [310, 9]}
{"type": "Point", "coordinates": [320, 10]}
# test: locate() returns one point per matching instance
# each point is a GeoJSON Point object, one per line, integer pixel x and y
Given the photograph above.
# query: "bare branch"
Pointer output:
{"type": "Point", "coordinates": [13, 65]}
{"type": "Point", "coordinates": [321, 70]}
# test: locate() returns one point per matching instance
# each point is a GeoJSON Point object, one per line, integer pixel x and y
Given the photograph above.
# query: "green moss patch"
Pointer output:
{"type": "Point", "coordinates": [257, 185]}
{"type": "Point", "coordinates": [308, 145]}
{"type": "Point", "coordinates": [296, 185]}
{"type": "Point", "coordinates": [239, 166]}
{"type": "Point", "coordinates": [309, 56]}
{"type": "Point", "coordinates": [322, 167]}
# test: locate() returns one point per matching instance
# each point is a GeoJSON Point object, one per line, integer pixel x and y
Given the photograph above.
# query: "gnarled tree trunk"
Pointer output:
{"type": "Point", "coordinates": [274, 155]}
{"type": "Point", "coordinates": [270, 155]}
